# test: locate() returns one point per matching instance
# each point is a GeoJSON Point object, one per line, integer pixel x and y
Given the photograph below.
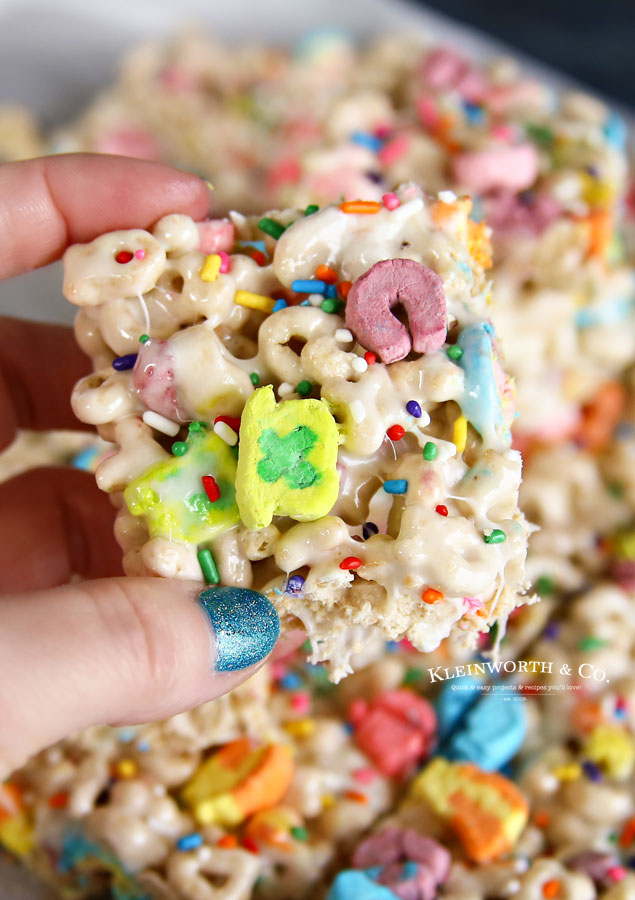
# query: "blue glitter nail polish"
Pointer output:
{"type": "Point", "coordinates": [245, 624]}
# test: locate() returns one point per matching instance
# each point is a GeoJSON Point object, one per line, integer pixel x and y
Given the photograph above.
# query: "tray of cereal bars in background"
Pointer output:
{"type": "Point", "coordinates": [504, 772]}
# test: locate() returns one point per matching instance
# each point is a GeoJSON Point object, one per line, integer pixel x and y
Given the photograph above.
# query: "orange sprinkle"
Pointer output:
{"type": "Point", "coordinates": [478, 243]}
{"type": "Point", "coordinates": [600, 233]}
{"type": "Point", "coordinates": [431, 596]}
{"type": "Point", "coordinates": [600, 416]}
{"type": "Point", "coordinates": [542, 819]}
{"type": "Point", "coordinates": [227, 842]}
{"type": "Point", "coordinates": [326, 273]}
{"type": "Point", "coordinates": [356, 796]}
{"type": "Point", "coordinates": [551, 888]}
{"type": "Point", "coordinates": [628, 834]}
{"type": "Point", "coordinates": [10, 800]}
{"type": "Point", "coordinates": [58, 801]}
{"type": "Point", "coordinates": [367, 207]}
{"type": "Point", "coordinates": [343, 288]}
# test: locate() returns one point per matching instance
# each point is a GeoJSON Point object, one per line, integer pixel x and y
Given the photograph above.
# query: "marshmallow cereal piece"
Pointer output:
{"type": "Point", "coordinates": [485, 810]}
{"type": "Point", "coordinates": [286, 461]}
{"type": "Point", "coordinates": [511, 168]}
{"type": "Point", "coordinates": [171, 497]}
{"type": "Point", "coordinates": [237, 781]}
{"type": "Point", "coordinates": [394, 281]}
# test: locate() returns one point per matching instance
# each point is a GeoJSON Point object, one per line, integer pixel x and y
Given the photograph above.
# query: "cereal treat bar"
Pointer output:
{"type": "Point", "coordinates": [279, 427]}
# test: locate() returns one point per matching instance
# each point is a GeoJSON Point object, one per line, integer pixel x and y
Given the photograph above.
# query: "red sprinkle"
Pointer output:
{"type": "Point", "coordinates": [249, 844]}
{"type": "Point", "coordinates": [233, 423]}
{"type": "Point", "coordinates": [259, 257]}
{"type": "Point", "coordinates": [58, 801]}
{"type": "Point", "coordinates": [441, 509]}
{"type": "Point", "coordinates": [343, 288]}
{"type": "Point", "coordinates": [326, 273]}
{"type": "Point", "coordinates": [396, 432]}
{"type": "Point", "coordinates": [370, 357]}
{"type": "Point", "coordinates": [211, 488]}
{"type": "Point", "coordinates": [124, 256]}
{"type": "Point", "coordinates": [351, 562]}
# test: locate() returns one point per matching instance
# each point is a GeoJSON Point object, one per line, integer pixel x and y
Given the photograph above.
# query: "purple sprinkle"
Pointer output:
{"type": "Point", "coordinates": [121, 363]}
{"type": "Point", "coordinates": [552, 630]}
{"type": "Point", "coordinates": [413, 408]}
{"type": "Point", "coordinates": [591, 770]}
{"type": "Point", "coordinates": [375, 177]}
{"type": "Point", "coordinates": [369, 529]}
{"type": "Point", "coordinates": [295, 584]}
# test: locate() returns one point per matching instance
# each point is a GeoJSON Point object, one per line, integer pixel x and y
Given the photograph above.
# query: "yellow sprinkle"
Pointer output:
{"type": "Point", "coordinates": [328, 800]}
{"type": "Point", "coordinates": [16, 835]}
{"type": "Point", "coordinates": [300, 727]}
{"type": "Point", "coordinates": [211, 267]}
{"type": "Point", "coordinates": [254, 301]}
{"type": "Point", "coordinates": [459, 438]}
{"type": "Point", "coordinates": [568, 772]}
{"type": "Point", "coordinates": [126, 768]}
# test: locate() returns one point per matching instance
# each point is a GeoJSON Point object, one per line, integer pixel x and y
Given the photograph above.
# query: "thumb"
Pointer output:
{"type": "Point", "coordinates": [124, 650]}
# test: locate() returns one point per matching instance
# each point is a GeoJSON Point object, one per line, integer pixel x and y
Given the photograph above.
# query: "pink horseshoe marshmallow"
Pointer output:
{"type": "Point", "coordinates": [387, 283]}
{"type": "Point", "coordinates": [514, 168]}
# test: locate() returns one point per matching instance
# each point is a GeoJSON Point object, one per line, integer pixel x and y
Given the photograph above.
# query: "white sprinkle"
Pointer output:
{"type": "Point", "coordinates": [237, 218]}
{"type": "Point", "coordinates": [160, 423]}
{"type": "Point", "coordinates": [359, 365]}
{"type": "Point", "coordinates": [446, 196]}
{"type": "Point", "coordinates": [358, 411]}
{"type": "Point", "coordinates": [407, 209]}
{"type": "Point", "coordinates": [512, 887]}
{"type": "Point", "coordinates": [343, 335]}
{"type": "Point", "coordinates": [285, 388]}
{"type": "Point", "coordinates": [226, 433]}
{"type": "Point", "coordinates": [315, 299]}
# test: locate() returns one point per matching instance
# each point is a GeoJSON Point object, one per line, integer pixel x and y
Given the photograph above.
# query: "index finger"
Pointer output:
{"type": "Point", "coordinates": [48, 203]}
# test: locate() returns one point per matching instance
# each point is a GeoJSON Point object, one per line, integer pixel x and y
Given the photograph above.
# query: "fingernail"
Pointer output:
{"type": "Point", "coordinates": [246, 626]}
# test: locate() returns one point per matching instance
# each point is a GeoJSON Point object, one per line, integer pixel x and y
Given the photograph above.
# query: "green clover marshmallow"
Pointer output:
{"type": "Point", "coordinates": [287, 460]}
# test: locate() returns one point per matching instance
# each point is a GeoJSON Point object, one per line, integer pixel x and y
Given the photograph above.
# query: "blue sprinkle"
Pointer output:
{"type": "Point", "coordinates": [125, 735]}
{"type": "Point", "coordinates": [624, 431]}
{"type": "Point", "coordinates": [257, 245]}
{"type": "Point", "coordinates": [295, 584]}
{"type": "Point", "coordinates": [189, 841]}
{"type": "Point", "coordinates": [615, 131]}
{"type": "Point", "coordinates": [143, 746]}
{"type": "Point", "coordinates": [413, 408]}
{"type": "Point", "coordinates": [85, 459]}
{"type": "Point", "coordinates": [291, 681]}
{"type": "Point", "coordinates": [121, 363]}
{"type": "Point", "coordinates": [278, 305]}
{"type": "Point", "coordinates": [476, 213]}
{"type": "Point", "coordinates": [367, 140]}
{"type": "Point", "coordinates": [396, 486]}
{"type": "Point", "coordinates": [305, 303]}
{"type": "Point", "coordinates": [348, 727]}
{"type": "Point", "coordinates": [309, 286]}
{"type": "Point", "coordinates": [591, 770]}
{"type": "Point", "coordinates": [620, 713]}
{"type": "Point", "coordinates": [409, 870]}
{"type": "Point", "coordinates": [331, 292]}
{"type": "Point", "coordinates": [369, 529]}
{"type": "Point", "coordinates": [474, 113]}
{"type": "Point", "coordinates": [392, 646]}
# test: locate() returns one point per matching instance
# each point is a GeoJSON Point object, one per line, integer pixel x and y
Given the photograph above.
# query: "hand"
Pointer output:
{"type": "Point", "coordinates": [122, 650]}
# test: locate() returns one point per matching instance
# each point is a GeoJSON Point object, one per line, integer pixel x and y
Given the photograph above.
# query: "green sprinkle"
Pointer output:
{"type": "Point", "coordinates": [255, 378]}
{"type": "Point", "coordinates": [412, 676]}
{"type": "Point", "coordinates": [311, 208]}
{"type": "Point", "coordinates": [495, 537]}
{"type": "Point", "coordinates": [494, 631]}
{"type": "Point", "coordinates": [304, 388]}
{"type": "Point", "coordinates": [613, 837]}
{"type": "Point", "coordinates": [329, 306]}
{"type": "Point", "coordinates": [540, 133]}
{"type": "Point", "coordinates": [615, 489]}
{"type": "Point", "coordinates": [195, 427]}
{"type": "Point", "coordinates": [179, 448]}
{"type": "Point", "coordinates": [208, 567]}
{"type": "Point", "coordinates": [271, 227]}
{"type": "Point", "coordinates": [306, 647]}
{"type": "Point", "coordinates": [430, 450]}
{"type": "Point", "coordinates": [544, 585]}
{"type": "Point", "coordinates": [299, 833]}
{"type": "Point", "coordinates": [144, 338]}
{"type": "Point", "coordinates": [454, 352]}
{"type": "Point", "coordinates": [591, 643]}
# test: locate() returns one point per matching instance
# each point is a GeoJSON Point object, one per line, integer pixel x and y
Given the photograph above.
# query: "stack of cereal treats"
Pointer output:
{"type": "Point", "coordinates": [449, 267]}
